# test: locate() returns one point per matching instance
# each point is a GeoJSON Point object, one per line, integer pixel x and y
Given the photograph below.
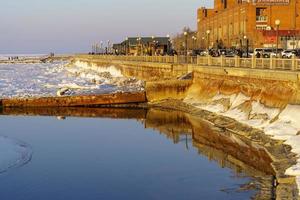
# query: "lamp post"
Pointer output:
{"type": "Point", "coordinates": [126, 46]}
{"type": "Point", "coordinates": [277, 23]}
{"type": "Point", "coordinates": [207, 35]}
{"type": "Point", "coordinates": [194, 42]}
{"type": "Point", "coordinates": [168, 45]}
{"type": "Point", "coordinates": [108, 47]}
{"type": "Point", "coordinates": [186, 45]}
{"type": "Point", "coordinates": [139, 49]}
{"type": "Point", "coordinates": [153, 45]}
{"type": "Point", "coordinates": [247, 45]}
{"type": "Point", "coordinates": [138, 46]}
{"type": "Point", "coordinates": [101, 47]}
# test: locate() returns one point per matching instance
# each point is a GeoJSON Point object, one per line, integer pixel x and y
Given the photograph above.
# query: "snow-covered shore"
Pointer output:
{"type": "Point", "coordinates": [281, 124]}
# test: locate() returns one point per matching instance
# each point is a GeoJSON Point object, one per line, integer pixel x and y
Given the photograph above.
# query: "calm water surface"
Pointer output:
{"type": "Point", "coordinates": [96, 158]}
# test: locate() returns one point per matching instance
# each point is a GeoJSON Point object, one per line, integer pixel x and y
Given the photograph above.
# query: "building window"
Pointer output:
{"type": "Point", "coordinates": [261, 15]}
{"type": "Point", "coordinates": [261, 27]}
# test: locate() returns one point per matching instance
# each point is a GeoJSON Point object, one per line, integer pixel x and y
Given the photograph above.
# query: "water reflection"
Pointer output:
{"type": "Point", "coordinates": [228, 150]}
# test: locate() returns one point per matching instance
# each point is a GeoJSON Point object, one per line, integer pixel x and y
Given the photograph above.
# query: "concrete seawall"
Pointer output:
{"type": "Point", "coordinates": [272, 88]}
{"type": "Point", "coordinates": [260, 95]}
{"type": "Point", "coordinates": [73, 101]}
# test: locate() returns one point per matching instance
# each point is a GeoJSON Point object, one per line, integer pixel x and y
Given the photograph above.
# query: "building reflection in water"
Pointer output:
{"type": "Point", "coordinates": [229, 150]}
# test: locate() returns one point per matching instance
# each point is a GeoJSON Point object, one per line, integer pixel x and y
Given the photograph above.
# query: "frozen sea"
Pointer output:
{"type": "Point", "coordinates": [46, 79]}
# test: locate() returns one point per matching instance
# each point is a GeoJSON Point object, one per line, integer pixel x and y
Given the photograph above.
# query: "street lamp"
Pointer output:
{"type": "Point", "coordinates": [277, 23]}
{"type": "Point", "coordinates": [203, 43]}
{"type": "Point", "coordinates": [139, 45]}
{"type": "Point", "coordinates": [153, 45]}
{"type": "Point", "coordinates": [207, 33]}
{"type": "Point", "coordinates": [186, 42]}
{"type": "Point", "coordinates": [127, 46]}
{"type": "Point", "coordinates": [168, 44]}
{"type": "Point", "coordinates": [194, 38]}
{"type": "Point", "coordinates": [108, 47]}
{"type": "Point", "coordinates": [101, 47]}
{"type": "Point", "coordinates": [247, 45]}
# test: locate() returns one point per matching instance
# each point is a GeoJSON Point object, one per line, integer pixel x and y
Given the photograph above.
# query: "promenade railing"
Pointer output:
{"type": "Point", "coordinates": [292, 64]}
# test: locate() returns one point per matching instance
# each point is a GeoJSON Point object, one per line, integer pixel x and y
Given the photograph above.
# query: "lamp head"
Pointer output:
{"type": "Point", "coordinates": [277, 22]}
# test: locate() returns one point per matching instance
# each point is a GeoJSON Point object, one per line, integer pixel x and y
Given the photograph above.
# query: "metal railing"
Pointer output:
{"type": "Point", "coordinates": [272, 63]}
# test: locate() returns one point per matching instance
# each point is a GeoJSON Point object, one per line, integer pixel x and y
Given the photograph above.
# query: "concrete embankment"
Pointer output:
{"type": "Point", "coordinates": [73, 101]}
{"type": "Point", "coordinates": [246, 102]}
{"type": "Point", "coordinates": [251, 101]}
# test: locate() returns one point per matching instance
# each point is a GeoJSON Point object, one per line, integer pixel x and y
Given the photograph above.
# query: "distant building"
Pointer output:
{"type": "Point", "coordinates": [232, 22]}
{"type": "Point", "coordinates": [143, 46]}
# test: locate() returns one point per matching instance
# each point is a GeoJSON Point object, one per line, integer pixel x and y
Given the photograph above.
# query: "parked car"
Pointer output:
{"type": "Point", "coordinates": [200, 52]}
{"type": "Point", "coordinates": [250, 53]}
{"type": "Point", "coordinates": [223, 52]}
{"type": "Point", "coordinates": [268, 52]}
{"type": "Point", "coordinates": [287, 53]}
{"type": "Point", "coordinates": [290, 53]}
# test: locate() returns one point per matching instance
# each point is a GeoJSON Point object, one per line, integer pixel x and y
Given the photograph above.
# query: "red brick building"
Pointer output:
{"type": "Point", "coordinates": [231, 22]}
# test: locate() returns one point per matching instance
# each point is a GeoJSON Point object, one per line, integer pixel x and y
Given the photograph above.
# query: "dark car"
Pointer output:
{"type": "Point", "coordinates": [227, 52]}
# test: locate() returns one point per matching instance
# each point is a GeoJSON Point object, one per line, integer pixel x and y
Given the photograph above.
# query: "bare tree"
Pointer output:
{"type": "Point", "coordinates": [179, 41]}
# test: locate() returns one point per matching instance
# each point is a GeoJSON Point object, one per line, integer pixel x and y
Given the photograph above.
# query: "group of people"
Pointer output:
{"type": "Point", "coordinates": [13, 58]}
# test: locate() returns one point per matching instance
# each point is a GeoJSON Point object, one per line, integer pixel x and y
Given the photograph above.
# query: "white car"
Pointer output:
{"type": "Point", "coordinates": [288, 53]}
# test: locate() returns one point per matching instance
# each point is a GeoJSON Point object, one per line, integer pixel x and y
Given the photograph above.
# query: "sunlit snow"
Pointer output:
{"type": "Point", "coordinates": [281, 125]}
{"type": "Point", "coordinates": [36, 80]}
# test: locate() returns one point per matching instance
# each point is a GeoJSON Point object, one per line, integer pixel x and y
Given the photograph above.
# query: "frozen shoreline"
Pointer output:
{"type": "Point", "coordinates": [280, 124]}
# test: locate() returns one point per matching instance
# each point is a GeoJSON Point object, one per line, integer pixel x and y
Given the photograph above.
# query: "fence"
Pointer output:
{"type": "Point", "coordinates": [273, 63]}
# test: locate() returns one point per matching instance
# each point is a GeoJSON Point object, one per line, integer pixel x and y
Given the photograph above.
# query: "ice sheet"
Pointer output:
{"type": "Point", "coordinates": [36, 80]}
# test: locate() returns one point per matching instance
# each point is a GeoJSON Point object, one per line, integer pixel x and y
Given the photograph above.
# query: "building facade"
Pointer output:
{"type": "Point", "coordinates": [232, 22]}
{"type": "Point", "coordinates": [143, 46]}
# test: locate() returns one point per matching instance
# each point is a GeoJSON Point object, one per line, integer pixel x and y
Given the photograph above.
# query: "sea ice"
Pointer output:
{"type": "Point", "coordinates": [13, 153]}
{"type": "Point", "coordinates": [46, 79]}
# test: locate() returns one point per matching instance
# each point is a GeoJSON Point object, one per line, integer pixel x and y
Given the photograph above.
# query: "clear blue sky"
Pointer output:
{"type": "Point", "coordinates": [66, 26]}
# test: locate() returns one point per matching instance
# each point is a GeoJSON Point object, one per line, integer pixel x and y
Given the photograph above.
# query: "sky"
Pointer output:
{"type": "Point", "coordinates": [72, 26]}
